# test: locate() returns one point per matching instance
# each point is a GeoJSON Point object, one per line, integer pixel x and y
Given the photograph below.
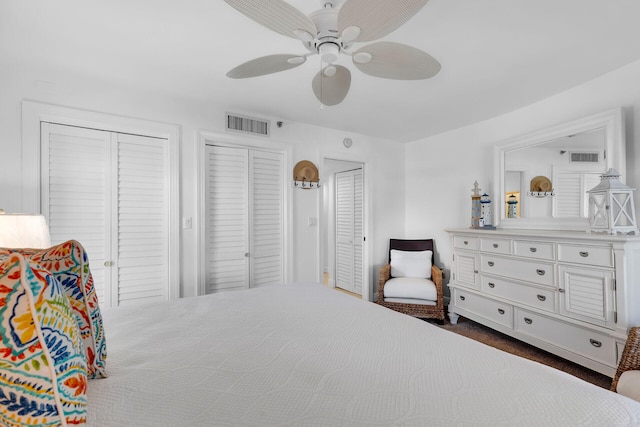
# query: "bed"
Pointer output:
{"type": "Point", "coordinates": [306, 355]}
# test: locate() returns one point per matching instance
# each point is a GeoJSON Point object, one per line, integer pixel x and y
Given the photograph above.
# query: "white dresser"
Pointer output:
{"type": "Point", "coordinates": [571, 293]}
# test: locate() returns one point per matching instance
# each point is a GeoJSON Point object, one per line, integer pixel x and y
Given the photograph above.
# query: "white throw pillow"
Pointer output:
{"type": "Point", "coordinates": [411, 264]}
{"type": "Point", "coordinates": [629, 384]}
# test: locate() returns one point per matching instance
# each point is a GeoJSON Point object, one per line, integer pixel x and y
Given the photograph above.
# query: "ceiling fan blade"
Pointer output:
{"type": "Point", "coordinates": [376, 18]}
{"type": "Point", "coordinates": [266, 65]}
{"type": "Point", "coordinates": [332, 90]}
{"type": "Point", "coordinates": [276, 15]}
{"type": "Point", "coordinates": [397, 61]}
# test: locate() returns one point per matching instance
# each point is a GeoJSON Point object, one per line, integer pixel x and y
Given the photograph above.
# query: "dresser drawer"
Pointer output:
{"type": "Point", "coordinates": [498, 312]}
{"type": "Point", "coordinates": [590, 344]}
{"type": "Point", "coordinates": [531, 271]}
{"type": "Point", "coordinates": [540, 298]}
{"type": "Point", "coordinates": [464, 242]}
{"type": "Point", "coordinates": [537, 250]}
{"type": "Point", "coordinates": [583, 254]}
{"type": "Point", "coordinates": [496, 246]}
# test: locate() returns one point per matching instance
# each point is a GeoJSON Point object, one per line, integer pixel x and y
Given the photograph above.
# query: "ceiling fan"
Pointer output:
{"type": "Point", "coordinates": [334, 31]}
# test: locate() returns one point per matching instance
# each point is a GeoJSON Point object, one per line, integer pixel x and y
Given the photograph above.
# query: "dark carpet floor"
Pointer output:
{"type": "Point", "coordinates": [511, 345]}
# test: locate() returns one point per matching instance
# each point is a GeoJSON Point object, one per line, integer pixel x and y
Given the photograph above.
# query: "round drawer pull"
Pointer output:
{"type": "Point", "coordinates": [465, 242]}
{"type": "Point", "coordinates": [462, 298]}
{"type": "Point", "coordinates": [542, 298]}
{"type": "Point", "coordinates": [540, 272]}
{"type": "Point", "coordinates": [595, 343]}
{"type": "Point", "coordinates": [491, 263]}
{"type": "Point", "coordinates": [501, 311]}
{"type": "Point", "coordinates": [584, 254]}
{"type": "Point", "coordinates": [495, 245]}
{"type": "Point", "coordinates": [533, 250]}
{"type": "Point", "coordinates": [528, 321]}
{"type": "Point", "coordinates": [107, 264]}
{"type": "Point", "coordinates": [561, 290]}
{"type": "Point", "coordinates": [492, 285]}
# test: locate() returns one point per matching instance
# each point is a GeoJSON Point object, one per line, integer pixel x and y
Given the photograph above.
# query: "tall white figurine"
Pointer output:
{"type": "Point", "coordinates": [486, 211]}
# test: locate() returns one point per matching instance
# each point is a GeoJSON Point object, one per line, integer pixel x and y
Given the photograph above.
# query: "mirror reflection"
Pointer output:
{"type": "Point", "coordinates": [550, 179]}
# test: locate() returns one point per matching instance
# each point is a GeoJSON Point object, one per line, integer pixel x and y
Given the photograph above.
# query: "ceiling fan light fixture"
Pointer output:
{"type": "Point", "coordinates": [296, 60]}
{"type": "Point", "coordinates": [362, 57]}
{"type": "Point", "coordinates": [329, 71]}
{"type": "Point", "coordinates": [329, 52]}
{"type": "Point", "coordinates": [350, 33]}
{"type": "Point", "coordinates": [303, 35]}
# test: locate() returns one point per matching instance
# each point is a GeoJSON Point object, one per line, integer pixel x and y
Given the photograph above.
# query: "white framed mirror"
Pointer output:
{"type": "Point", "coordinates": [541, 178]}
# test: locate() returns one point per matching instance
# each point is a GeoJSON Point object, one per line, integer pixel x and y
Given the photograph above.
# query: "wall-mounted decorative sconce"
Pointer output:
{"type": "Point", "coordinates": [611, 206]}
{"type": "Point", "coordinates": [540, 186]}
{"type": "Point", "coordinates": [305, 175]}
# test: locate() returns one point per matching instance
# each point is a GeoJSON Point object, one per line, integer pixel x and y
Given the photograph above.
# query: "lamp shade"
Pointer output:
{"type": "Point", "coordinates": [24, 231]}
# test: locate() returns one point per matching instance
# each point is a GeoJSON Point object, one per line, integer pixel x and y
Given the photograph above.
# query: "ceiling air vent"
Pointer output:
{"type": "Point", "coordinates": [250, 125]}
{"type": "Point", "coordinates": [592, 157]}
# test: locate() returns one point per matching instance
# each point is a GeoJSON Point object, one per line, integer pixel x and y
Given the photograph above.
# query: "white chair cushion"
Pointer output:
{"type": "Point", "coordinates": [629, 385]}
{"type": "Point", "coordinates": [410, 287]}
{"type": "Point", "coordinates": [411, 263]}
{"type": "Point", "coordinates": [410, 301]}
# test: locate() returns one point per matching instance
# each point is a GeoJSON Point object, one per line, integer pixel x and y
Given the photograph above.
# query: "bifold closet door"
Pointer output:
{"type": "Point", "coordinates": [349, 230]}
{"type": "Point", "coordinates": [244, 218]}
{"type": "Point", "coordinates": [266, 207]}
{"type": "Point", "coordinates": [109, 192]}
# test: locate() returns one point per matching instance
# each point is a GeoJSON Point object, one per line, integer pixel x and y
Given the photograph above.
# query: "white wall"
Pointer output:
{"type": "Point", "coordinates": [382, 158]}
{"type": "Point", "coordinates": [441, 169]}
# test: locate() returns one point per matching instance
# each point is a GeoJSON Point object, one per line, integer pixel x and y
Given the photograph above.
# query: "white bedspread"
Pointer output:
{"type": "Point", "coordinates": [306, 355]}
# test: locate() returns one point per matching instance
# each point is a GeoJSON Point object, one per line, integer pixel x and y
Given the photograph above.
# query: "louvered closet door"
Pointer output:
{"type": "Point", "coordinates": [358, 230]}
{"type": "Point", "coordinates": [227, 218]}
{"type": "Point", "coordinates": [143, 247]}
{"type": "Point", "coordinates": [244, 218]}
{"type": "Point", "coordinates": [75, 193]}
{"type": "Point", "coordinates": [349, 230]}
{"type": "Point", "coordinates": [266, 218]}
{"type": "Point", "coordinates": [568, 188]}
{"type": "Point", "coordinates": [109, 192]}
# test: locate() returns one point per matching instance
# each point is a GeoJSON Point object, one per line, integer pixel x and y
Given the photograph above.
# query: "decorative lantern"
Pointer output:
{"type": "Point", "coordinates": [512, 207]}
{"type": "Point", "coordinates": [611, 207]}
{"type": "Point", "coordinates": [476, 207]}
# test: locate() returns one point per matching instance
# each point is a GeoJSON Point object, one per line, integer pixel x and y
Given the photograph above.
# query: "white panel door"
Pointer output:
{"type": "Point", "coordinates": [244, 225]}
{"type": "Point", "coordinates": [109, 192]}
{"type": "Point", "coordinates": [349, 230]}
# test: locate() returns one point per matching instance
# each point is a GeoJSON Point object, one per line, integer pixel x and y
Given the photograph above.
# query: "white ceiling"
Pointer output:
{"type": "Point", "coordinates": [496, 56]}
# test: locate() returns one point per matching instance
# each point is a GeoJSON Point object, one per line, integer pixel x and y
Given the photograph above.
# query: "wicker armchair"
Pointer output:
{"type": "Point", "coordinates": [630, 360]}
{"type": "Point", "coordinates": [432, 310]}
